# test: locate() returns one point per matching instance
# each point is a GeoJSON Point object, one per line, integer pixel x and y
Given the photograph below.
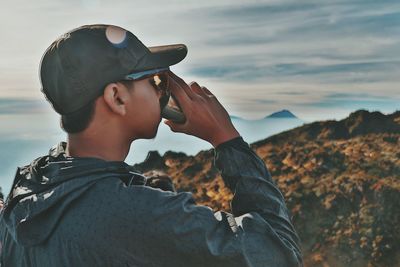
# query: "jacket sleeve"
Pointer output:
{"type": "Point", "coordinates": [258, 206]}
{"type": "Point", "coordinates": [257, 233]}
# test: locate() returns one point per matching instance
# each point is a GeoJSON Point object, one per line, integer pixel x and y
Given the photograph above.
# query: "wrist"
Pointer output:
{"type": "Point", "coordinates": [224, 137]}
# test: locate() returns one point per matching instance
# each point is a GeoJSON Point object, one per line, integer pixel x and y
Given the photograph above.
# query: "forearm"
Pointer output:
{"type": "Point", "coordinates": [246, 174]}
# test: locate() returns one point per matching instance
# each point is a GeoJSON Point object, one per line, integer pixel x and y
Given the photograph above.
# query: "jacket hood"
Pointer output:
{"type": "Point", "coordinates": [44, 189]}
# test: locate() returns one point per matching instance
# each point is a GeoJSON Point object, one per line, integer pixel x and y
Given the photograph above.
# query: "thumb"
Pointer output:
{"type": "Point", "coordinates": [175, 127]}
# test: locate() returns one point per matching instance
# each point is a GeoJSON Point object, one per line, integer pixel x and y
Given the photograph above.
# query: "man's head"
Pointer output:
{"type": "Point", "coordinates": [85, 73]}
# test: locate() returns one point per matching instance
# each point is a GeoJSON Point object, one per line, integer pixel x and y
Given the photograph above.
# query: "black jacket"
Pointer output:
{"type": "Point", "coordinates": [65, 211]}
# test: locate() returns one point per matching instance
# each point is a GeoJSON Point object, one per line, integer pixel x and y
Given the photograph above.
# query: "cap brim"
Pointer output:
{"type": "Point", "coordinates": [162, 56]}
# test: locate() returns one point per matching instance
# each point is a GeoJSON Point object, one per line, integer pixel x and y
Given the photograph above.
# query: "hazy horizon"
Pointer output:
{"type": "Point", "coordinates": [22, 148]}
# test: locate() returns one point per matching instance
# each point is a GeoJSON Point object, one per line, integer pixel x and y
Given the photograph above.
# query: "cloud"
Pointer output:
{"type": "Point", "coordinates": [21, 106]}
{"type": "Point", "coordinates": [353, 101]}
{"type": "Point", "coordinates": [265, 101]}
{"type": "Point", "coordinates": [291, 93]}
{"type": "Point", "coordinates": [340, 42]}
{"type": "Point", "coordinates": [311, 48]}
{"type": "Point", "coordinates": [333, 73]}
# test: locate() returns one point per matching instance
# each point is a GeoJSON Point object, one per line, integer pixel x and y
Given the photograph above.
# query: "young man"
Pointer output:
{"type": "Point", "coordinates": [82, 205]}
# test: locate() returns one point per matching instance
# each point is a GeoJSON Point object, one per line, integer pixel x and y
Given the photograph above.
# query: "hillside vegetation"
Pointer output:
{"type": "Point", "coordinates": [341, 181]}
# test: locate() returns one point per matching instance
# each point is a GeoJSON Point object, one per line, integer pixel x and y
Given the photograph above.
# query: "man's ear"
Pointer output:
{"type": "Point", "coordinates": [116, 97]}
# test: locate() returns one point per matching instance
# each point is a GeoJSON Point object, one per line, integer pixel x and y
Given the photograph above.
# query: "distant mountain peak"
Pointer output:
{"type": "Point", "coordinates": [284, 113]}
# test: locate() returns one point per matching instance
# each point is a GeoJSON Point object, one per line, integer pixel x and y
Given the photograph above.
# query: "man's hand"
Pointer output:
{"type": "Point", "coordinates": [206, 118]}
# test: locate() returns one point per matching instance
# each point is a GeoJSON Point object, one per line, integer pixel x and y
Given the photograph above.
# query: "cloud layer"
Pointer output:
{"type": "Point", "coordinates": [9, 106]}
{"type": "Point", "coordinates": [256, 56]}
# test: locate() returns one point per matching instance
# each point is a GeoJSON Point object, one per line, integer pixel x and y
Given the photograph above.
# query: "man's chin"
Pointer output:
{"type": "Point", "coordinates": [152, 134]}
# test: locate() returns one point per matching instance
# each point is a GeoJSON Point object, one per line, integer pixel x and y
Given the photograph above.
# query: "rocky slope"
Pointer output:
{"type": "Point", "coordinates": [341, 181]}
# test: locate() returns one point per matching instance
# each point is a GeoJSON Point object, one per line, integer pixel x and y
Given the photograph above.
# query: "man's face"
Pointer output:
{"type": "Point", "coordinates": [144, 112]}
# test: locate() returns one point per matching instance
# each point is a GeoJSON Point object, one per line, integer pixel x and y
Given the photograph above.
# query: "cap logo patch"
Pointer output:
{"type": "Point", "coordinates": [117, 36]}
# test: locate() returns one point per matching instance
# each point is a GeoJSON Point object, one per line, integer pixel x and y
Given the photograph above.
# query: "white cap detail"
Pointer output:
{"type": "Point", "coordinates": [116, 35]}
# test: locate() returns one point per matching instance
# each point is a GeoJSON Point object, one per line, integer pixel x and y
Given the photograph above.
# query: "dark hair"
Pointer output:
{"type": "Point", "coordinates": [79, 120]}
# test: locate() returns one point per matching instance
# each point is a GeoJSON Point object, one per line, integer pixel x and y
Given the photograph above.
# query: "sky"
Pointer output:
{"type": "Point", "coordinates": [319, 59]}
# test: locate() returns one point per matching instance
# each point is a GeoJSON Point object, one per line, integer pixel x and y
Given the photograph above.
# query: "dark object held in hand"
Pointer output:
{"type": "Point", "coordinates": [170, 108]}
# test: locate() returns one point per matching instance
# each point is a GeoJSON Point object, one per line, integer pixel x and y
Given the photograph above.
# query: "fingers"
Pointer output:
{"type": "Point", "coordinates": [190, 98]}
{"type": "Point", "coordinates": [210, 95]}
{"type": "Point", "coordinates": [175, 127]}
{"type": "Point", "coordinates": [179, 93]}
{"type": "Point", "coordinates": [197, 89]}
{"type": "Point", "coordinates": [207, 91]}
{"type": "Point", "coordinates": [193, 89]}
{"type": "Point", "coordinates": [182, 84]}
{"type": "Point", "coordinates": [202, 91]}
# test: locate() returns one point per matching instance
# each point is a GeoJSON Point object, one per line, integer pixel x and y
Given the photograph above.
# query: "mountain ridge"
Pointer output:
{"type": "Point", "coordinates": [357, 123]}
{"type": "Point", "coordinates": [340, 180]}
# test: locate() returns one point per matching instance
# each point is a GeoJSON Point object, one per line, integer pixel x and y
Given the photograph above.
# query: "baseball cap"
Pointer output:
{"type": "Point", "coordinates": [78, 65]}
